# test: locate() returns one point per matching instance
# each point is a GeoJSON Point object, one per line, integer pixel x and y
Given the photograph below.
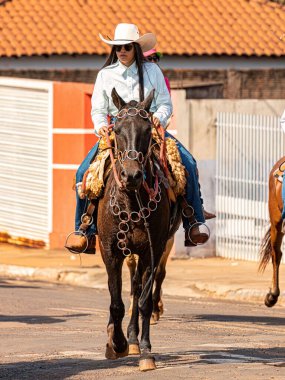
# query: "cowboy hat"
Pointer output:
{"type": "Point", "coordinates": [128, 33]}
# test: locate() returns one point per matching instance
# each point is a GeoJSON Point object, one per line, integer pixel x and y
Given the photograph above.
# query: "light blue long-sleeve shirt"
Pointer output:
{"type": "Point", "coordinates": [126, 82]}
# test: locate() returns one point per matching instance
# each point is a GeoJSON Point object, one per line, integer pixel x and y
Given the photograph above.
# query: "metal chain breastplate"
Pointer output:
{"type": "Point", "coordinates": [125, 218]}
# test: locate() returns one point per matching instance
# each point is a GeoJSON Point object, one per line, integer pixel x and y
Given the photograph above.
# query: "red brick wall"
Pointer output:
{"type": "Point", "coordinates": [237, 84]}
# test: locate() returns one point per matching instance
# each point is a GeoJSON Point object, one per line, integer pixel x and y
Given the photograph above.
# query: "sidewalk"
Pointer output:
{"type": "Point", "coordinates": [209, 277]}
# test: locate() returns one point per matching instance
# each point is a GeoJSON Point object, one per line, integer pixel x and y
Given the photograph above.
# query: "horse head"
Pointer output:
{"type": "Point", "coordinates": [133, 137]}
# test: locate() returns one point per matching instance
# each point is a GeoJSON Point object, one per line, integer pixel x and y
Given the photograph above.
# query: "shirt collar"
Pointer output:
{"type": "Point", "coordinates": [122, 68]}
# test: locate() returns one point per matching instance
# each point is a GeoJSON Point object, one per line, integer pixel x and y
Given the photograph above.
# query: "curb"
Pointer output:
{"type": "Point", "coordinates": [96, 278]}
{"type": "Point", "coordinates": [68, 276]}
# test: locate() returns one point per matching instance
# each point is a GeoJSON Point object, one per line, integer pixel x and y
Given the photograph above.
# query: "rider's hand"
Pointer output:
{"type": "Point", "coordinates": [156, 121]}
{"type": "Point", "coordinates": [102, 131]}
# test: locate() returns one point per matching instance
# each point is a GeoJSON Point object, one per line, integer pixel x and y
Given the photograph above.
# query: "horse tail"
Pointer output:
{"type": "Point", "coordinates": [265, 251]}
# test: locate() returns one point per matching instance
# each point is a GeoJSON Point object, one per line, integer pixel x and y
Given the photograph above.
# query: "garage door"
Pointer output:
{"type": "Point", "coordinates": [25, 158]}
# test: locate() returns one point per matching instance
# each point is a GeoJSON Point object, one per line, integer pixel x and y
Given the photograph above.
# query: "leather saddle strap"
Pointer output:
{"type": "Point", "coordinates": [162, 154]}
{"type": "Point", "coordinates": [186, 208]}
{"type": "Point", "coordinates": [87, 217]}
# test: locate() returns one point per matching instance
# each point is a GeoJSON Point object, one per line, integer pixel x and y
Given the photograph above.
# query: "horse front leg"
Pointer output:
{"type": "Point", "coordinates": [276, 254]}
{"type": "Point", "coordinates": [131, 263]}
{"type": "Point", "coordinates": [147, 361]}
{"type": "Point", "coordinates": [133, 327]}
{"type": "Point", "coordinates": [117, 345]}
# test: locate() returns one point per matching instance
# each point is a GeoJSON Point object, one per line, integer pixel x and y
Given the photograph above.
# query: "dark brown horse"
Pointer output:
{"type": "Point", "coordinates": [271, 244]}
{"type": "Point", "coordinates": [134, 216]}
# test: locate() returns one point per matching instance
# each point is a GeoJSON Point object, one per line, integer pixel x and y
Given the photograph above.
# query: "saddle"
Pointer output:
{"type": "Point", "coordinates": [173, 177]}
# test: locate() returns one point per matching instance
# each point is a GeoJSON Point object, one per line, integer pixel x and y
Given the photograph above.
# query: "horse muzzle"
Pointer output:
{"type": "Point", "coordinates": [132, 180]}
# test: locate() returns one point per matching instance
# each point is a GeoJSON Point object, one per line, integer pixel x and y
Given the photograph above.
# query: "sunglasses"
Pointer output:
{"type": "Point", "coordinates": [153, 58]}
{"type": "Point", "coordinates": [127, 47]}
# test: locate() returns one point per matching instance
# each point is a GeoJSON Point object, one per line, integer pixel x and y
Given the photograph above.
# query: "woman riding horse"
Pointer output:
{"type": "Point", "coordinates": [134, 78]}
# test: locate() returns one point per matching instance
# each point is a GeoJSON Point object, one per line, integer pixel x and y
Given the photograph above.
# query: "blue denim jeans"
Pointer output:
{"type": "Point", "coordinates": [81, 204]}
{"type": "Point", "coordinates": [193, 194]}
{"type": "Point", "coordinates": [283, 197]}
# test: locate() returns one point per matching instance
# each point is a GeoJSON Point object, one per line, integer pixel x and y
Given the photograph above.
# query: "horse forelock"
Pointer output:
{"type": "Point", "coordinates": [132, 103]}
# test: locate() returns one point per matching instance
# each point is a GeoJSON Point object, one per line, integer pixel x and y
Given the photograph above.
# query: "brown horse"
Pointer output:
{"type": "Point", "coordinates": [134, 216]}
{"type": "Point", "coordinates": [271, 244]}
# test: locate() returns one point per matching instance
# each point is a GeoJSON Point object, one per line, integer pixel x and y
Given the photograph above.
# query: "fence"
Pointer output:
{"type": "Point", "coordinates": [247, 148]}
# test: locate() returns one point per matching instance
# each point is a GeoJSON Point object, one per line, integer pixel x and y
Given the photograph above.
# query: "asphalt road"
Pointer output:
{"type": "Point", "coordinates": [59, 332]}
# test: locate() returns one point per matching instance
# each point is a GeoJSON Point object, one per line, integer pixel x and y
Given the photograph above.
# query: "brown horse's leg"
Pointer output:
{"type": "Point", "coordinates": [131, 263]}
{"type": "Point", "coordinates": [159, 277]}
{"type": "Point", "coordinates": [117, 345]}
{"type": "Point", "coordinates": [147, 361]}
{"type": "Point", "coordinates": [133, 327]}
{"type": "Point", "coordinates": [276, 253]}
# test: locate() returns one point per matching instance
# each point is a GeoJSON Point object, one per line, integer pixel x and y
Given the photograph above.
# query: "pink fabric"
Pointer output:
{"type": "Point", "coordinates": [149, 52]}
{"type": "Point", "coordinates": [167, 84]}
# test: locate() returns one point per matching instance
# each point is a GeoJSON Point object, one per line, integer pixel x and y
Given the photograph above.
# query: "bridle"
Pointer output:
{"type": "Point", "coordinates": [130, 154]}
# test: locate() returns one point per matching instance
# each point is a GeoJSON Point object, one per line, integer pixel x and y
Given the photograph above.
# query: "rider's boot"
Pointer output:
{"type": "Point", "coordinates": [194, 237]}
{"type": "Point", "coordinates": [79, 242]}
{"type": "Point", "coordinates": [208, 215]}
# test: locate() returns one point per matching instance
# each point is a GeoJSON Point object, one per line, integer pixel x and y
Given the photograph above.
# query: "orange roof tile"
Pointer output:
{"type": "Point", "coordinates": [190, 27]}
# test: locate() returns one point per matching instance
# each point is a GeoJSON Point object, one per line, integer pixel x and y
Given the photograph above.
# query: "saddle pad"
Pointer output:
{"type": "Point", "coordinates": [177, 176]}
{"type": "Point", "coordinates": [96, 174]}
{"type": "Point", "coordinates": [98, 169]}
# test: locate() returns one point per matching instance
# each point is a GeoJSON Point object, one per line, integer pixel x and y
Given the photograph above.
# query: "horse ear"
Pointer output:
{"type": "Point", "coordinates": [147, 102]}
{"type": "Point", "coordinates": [117, 100]}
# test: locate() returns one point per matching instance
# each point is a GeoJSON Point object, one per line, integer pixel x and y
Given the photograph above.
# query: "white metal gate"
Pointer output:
{"type": "Point", "coordinates": [25, 158]}
{"type": "Point", "coordinates": [247, 148]}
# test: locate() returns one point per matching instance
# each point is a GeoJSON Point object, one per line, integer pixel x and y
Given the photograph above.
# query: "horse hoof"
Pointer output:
{"type": "Point", "coordinates": [155, 318]}
{"type": "Point", "coordinates": [134, 349]}
{"type": "Point", "coordinates": [111, 354]}
{"type": "Point", "coordinates": [270, 300]}
{"type": "Point", "coordinates": [152, 321]}
{"type": "Point", "coordinates": [160, 306]}
{"type": "Point", "coordinates": [147, 364]}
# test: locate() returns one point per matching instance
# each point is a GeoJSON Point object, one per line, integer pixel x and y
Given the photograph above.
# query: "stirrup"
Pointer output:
{"type": "Point", "coordinates": [188, 211]}
{"type": "Point", "coordinates": [76, 233]}
{"type": "Point", "coordinates": [197, 225]}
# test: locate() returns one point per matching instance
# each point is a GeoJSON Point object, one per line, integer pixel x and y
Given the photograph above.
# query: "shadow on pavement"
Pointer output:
{"type": "Point", "coordinates": [60, 368]}
{"type": "Point", "coordinates": [38, 319]}
{"type": "Point", "coordinates": [274, 356]}
{"type": "Point", "coordinates": [66, 367]}
{"type": "Point", "coordinates": [7, 284]}
{"type": "Point", "coordinates": [261, 320]}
